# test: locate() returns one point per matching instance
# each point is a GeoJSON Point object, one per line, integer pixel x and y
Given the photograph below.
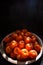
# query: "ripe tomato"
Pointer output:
{"type": "Point", "coordinates": [19, 38]}
{"type": "Point", "coordinates": [29, 46]}
{"type": "Point", "coordinates": [24, 30]}
{"type": "Point", "coordinates": [18, 31]}
{"type": "Point", "coordinates": [27, 40]}
{"type": "Point", "coordinates": [14, 35]}
{"type": "Point", "coordinates": [21, 44]}
{"type": "Point", "coordinates": [28, 34]}
{"type": "Point", "coordinates": [22, 33]}
{"type": "Point", "coordinates": [17, 50]}
{"type": "Point", "coordinates": [37, 47]}
{"type": "Point", "coordinates": [33, 38]}
{"type": "Point", "coordinates": [24, 37]}
{"type": "Point", "coordinates": [24, 53]}
{"type": "Point", "coordinates": [12, 55]}
{"type": "Point", "coordinates": [7, 39]}
{"type": "Point", "coordinates": [13, 44]}
{"type": "Point", "coordinates": [19, 57]}
{"type": "Point", "coordinates": [32, 54]}
{"type": "Point", "coordinates": [35, 43]}
{"type": "Point", "coordinates": [8, 50]}
{"type": "Point", "coordinates": [8, 44]}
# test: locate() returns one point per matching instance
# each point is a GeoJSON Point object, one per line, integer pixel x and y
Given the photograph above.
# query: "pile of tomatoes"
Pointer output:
{"type": "Point", "coordinates": [22, 45]}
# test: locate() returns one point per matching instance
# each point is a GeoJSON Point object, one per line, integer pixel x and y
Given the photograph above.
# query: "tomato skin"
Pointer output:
{"type": "Point", "coordinates": [14, 35]}
{"type": "Point", "coordinates": [21, 44]}
{"type": "Point", "coordinates": [27, 40]}
{"type": "Point", "coordinates": [24, 53]}
{"type": "Point", "coordinates": [19, 57]}
{"type": "Point", "coordinates": [12, 55]}
{"type": "Point", "coordinates": [24, 30]}
{"type": "Point", "coordinates": [8, 50]}
{"type": "Point", "coordinates": [7, 40]}
{"type": "Point", "coordinates": [33, 38]}
{"type": "Point", "coordinates": [8, 44]}
{"type": "Point", "coordinates": [29, 47]}
{"type": "Point", "coordinates": [13, 44]}
{"type": "Point", "coordinates": [19, 38]}
{"type": "Point", "coordinates": [32, 54]}
{"type": "Point", "coordinates": [17, 50]}
{"type": "Point", "coordinates": [37, 47]}
{"type": "Point", "coordinates": [18, 31]}
{"type": "Point", "coordinates": [22, 33]}
{"type": "Point", "coordinates": [28, 34]}
{"type": "Point", "coordinates": [24, 37]}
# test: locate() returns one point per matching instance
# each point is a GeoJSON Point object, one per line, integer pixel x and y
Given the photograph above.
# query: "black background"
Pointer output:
{"type": "Point", "coordinates": [18, 14]}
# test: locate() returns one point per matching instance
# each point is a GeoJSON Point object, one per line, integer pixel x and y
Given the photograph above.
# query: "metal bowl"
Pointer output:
{"type": "Point", "coordinates": [16, 61]}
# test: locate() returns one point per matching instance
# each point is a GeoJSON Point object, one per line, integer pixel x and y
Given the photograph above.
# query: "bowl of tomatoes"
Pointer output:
{"type": "Point", "coordinates": [21, 47]}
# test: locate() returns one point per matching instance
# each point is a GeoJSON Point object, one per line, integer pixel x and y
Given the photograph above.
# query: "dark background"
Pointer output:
{"type": "Point", "coordinates": [18, 14]}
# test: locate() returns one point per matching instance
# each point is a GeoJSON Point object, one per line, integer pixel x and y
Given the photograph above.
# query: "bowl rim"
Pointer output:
{"type": "Point", "coordinates": [16, 61]}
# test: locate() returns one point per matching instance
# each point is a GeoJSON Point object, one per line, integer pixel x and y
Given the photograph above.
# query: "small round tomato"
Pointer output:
{"type": "Point", "coordinates": [27, 40]}
{"type": "Point", "coordinates": [17, 50]}
{"type": "Point", "coordinates": [8, 44]}
{"type": "Point", "coordinates": [8, 50]}
{"type": "Point", "coordinates": [28, 34]}
{"type": "Point", "coordinates": [19, 38]}
{"type": "Point", "coordinates": [7, 39]}
{"type": "Point", "coordinates": [29, 47]}
{"type": "Point", "coordinates": [32, 54]}
{"type": "Point", "coordinates": [24, 37]}
{"type": "Point", "coordinates": [12, 55]}
{"type": "Point", "coordinates": [14, 35]}
{"type": "Point", "coordinates": [22, 33]}
{"type": "Point", "coordinates": [37, 47]}
{"type": "Point", "coordinates": [19, 57]}
{"type": "Point", "coordinates": [24, 30]}
{"type": "Point", "coordinates": [13, 44]}
{"type": "Point", "coordinates": [33, 38]}
{"type": "Point", "coordinates": [35, 43]}
{"type": "Point", "coordinates": [21, 44]}
{"type": "Point", "coordinates": [24, 53]}
{"type": "Point", "coordinates": [18, 31]}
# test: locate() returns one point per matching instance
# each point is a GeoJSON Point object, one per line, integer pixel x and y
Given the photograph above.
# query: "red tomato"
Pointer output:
{"type": "Point", "coordinates": [8, 44]}
{"type": "Point", "coordinates": [27, 40]}
{"type": "Point", "coordinates": [12, 55]}
{"type": "Point", "coordinates": [17, 50]}
{"type": "Point", "coordinates": [32, 54]}
{"type": "Point", "coordinates": [18, 31]}
{"type": "Point", "coordinates": [24, 37]}
{"type": "Point", "coordinates": [24, 30]}
{"type": "Point", "coordinates": [19, 57]}
{"type": "Point", "coordinates": [19, 38]}
{"type": "Point", "coordinates": [22, 33]}
{"type": "Point", "coordinates": [29, 47]}
{"type": "Point", "coordinates": [13, 44]}
{"type": "Point", "coordinates": [33, 38]}
{"type": "Point", "coordinates": [24, 53]}
{"type": "Point", "coordinates": [21, 44]}
{"type": "Point", "coordinates": [14, 35]}
{"type": "Point", "coordinates": [7, 39]}
{"type": "Point", "coordinates": [37, 47]}
{"type": "Point", "coordinates": [28, 34]}
{"type": "Point", "coordinates": [8, 50]}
